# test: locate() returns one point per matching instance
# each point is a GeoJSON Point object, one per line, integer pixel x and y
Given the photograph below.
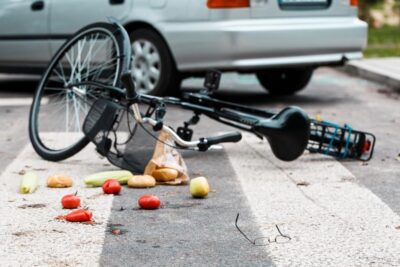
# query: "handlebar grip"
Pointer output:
{"type": "Point", "coordinates": [231, 137]}
{"type": "Point", "coordinates": [127, 81]}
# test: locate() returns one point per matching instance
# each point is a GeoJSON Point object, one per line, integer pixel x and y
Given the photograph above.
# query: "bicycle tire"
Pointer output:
{"type": "Point", "coordinates": [122, 64]}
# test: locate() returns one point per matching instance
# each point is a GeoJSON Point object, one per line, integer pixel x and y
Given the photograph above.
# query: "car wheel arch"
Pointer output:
{"type": "Point", "coordinates": [135, 25]}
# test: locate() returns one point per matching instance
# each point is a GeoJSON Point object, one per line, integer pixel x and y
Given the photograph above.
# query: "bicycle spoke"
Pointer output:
{"type": "Point", "coordinates": [92, 57]}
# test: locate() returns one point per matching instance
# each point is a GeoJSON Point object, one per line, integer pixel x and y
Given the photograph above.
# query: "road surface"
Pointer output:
{"type": "Point", "coordinates": [335, 213]}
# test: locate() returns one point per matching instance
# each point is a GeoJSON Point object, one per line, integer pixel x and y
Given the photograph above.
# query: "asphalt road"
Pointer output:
{"type": "Point", "coordinates": [245, 179]}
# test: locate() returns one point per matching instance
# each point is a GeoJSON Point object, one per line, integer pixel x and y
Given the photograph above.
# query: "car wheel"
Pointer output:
{"type": "Point", "coordinates": [284, 81]}
{"type": "Point", "coordinates": [153, 68]}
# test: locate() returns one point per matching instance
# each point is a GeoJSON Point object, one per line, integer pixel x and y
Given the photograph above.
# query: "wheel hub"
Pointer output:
{"type": "Point", "coordinates": [146, 67]}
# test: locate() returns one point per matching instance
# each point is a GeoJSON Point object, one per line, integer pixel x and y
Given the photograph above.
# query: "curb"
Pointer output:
{"type": "Point", "coordinates": [372, 73]}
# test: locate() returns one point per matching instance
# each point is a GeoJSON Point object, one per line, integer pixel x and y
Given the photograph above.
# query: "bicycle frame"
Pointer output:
{"type": "Point", "coordinates": [288, 132]}
{"type": "Point", "coordinates": [325, 137]}
{"type": "Point", "coordinates": [248, 117]}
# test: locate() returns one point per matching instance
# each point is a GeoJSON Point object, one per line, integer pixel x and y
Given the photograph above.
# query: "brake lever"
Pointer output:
{"type": "Point", "coordinates": [159, 114]}
{"type": "Point", "coordinates": [158, 108]}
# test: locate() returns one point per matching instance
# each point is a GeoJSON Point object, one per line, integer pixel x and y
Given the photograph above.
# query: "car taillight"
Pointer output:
{"type": "Point", "coordinates": [354, 3]}
{"type": "Point", "coordinates": [228, 3]}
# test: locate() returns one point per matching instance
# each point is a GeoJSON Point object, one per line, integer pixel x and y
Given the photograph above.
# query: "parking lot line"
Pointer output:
{"type": "Point", "coordinates": [332, 220]}
{"type": "Point", "coordinates": [30, 234]}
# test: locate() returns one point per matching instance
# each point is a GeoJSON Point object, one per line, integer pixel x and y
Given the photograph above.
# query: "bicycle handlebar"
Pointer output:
{"type": "Point", "coordinates": [206, 142]}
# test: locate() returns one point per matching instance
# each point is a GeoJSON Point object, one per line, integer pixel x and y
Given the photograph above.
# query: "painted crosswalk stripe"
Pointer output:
{"type": "Point", "coordinates": [334, 221]}
{"type": "Point", "coordinates": [31, 236]}
{"type": "Point", "coordinates": [20, 101]}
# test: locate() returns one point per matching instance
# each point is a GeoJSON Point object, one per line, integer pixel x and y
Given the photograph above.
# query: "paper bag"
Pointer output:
{"type": "Point", "coordinates": [166, 156]}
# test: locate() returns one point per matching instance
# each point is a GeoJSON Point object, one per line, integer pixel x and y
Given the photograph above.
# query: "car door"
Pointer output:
{"type": "Point", "coordinates": [24, 32]}
{"type": "Point", "coordinates": [68, 16]}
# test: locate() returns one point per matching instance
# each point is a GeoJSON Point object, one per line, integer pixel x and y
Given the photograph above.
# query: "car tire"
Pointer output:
{"type": "Point", "coordinates": [155, 56]}
{"type": "Point", "coordinates": [284, 81]}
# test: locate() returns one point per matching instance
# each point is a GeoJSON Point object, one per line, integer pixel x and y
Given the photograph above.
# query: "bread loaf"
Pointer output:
{"type": "Point", "coordinates": [141, 181]}
{"type": "Point", "coordinates": [59, 181]}
{"type": "Point", "coordinates": [165, 174]}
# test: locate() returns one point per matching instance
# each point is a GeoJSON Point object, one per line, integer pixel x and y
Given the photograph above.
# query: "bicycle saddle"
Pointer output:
{"type": "Point", "coordinates": [287, 132]}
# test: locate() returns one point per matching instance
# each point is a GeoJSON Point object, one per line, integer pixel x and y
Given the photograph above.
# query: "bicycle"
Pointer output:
{"type": "Point", "coordinates": [95, 90]}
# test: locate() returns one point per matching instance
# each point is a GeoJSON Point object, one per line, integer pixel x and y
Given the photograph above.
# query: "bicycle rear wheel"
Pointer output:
{"type": "Point", "coordinates": [95, 53]}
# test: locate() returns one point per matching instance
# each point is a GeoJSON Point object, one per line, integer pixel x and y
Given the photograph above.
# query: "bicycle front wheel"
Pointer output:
{"type": "Point", "coordinates": [60, 104]}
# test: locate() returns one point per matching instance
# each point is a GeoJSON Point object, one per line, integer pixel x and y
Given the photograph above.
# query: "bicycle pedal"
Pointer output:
{"type": "Point", "coordinates": [212, 80]}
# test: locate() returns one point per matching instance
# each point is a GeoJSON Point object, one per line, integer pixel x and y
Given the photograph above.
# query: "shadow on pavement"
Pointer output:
{"type": "Point", "coordinates": [18, 85]}
{"type": "Point", "coordinates": [253, 97]}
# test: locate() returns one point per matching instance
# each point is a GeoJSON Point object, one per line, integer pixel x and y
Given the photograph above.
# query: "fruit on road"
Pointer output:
{"type": "Point", "coordinates": [149, 202]}
{"type": "Point", "coordinates": [199, 187]}
{"type": "Point", "coordinates": [141, 181]}
{"type": "Point", "coordinates": [165, 174]}
{"type": "Point", "coordinates": [79, 216]}
{"type": "Point", "coordinates": [29, 183]}
{"type": "Point", "coordinates": [70, 201]}
{"type": "Point", "coordinates": [111, 186]}
{"type": "Point", "coordinates": [98, 179]}
{"type": "Point", "coordinates": [59, 181]}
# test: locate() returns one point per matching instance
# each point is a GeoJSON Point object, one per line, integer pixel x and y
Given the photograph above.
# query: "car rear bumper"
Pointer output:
{"type": "Point", "coordinates": [258, 43]}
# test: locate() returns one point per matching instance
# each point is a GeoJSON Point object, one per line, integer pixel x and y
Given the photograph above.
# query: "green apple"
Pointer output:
{"type": "Point", "coordinates": [199, 187]}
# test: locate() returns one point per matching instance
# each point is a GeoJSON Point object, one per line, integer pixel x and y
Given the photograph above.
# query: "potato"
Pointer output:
{"type": "Point", "coordinates": [165, 174]}
{"type": "Point", "coordinates": [59, 181]}
{"type": "Point", "coordinates": [141, 181]}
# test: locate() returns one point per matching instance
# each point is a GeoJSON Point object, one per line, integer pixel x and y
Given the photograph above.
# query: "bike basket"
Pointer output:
{"type": "Point", "coordinates": [340, 142]}
{"type": "Point", "coordinates": [117, 136]}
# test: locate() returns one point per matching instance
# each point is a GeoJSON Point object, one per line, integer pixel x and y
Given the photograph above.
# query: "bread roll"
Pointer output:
{"type": "Point", "coordinates": [141, 181]}
{"type": "Point", "coordinates": [165, 174]}
{"type": "Point", "coordinates": [59, 181]}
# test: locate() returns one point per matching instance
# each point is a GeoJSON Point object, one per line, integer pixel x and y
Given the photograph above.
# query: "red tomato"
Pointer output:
{"type": "Point", "coordinates": [70, 201]}
{"type": "Point", "coordinates": [79, 216]}
{"type": "Point", "coordinates": [111, 186]}
{"type": "Point", "coordinates": [149, 202]}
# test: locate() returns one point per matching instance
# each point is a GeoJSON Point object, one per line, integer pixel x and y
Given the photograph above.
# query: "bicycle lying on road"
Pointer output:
{"type": "Point", "coordinates": [87, 89]}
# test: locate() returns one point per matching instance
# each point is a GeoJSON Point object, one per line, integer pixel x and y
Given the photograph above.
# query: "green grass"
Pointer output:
{"type": "Point", "coordinates": [384, 42]}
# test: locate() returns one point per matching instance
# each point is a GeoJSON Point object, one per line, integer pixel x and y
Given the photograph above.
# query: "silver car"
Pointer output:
{"type": "Point", "coordinates": [281, 41]}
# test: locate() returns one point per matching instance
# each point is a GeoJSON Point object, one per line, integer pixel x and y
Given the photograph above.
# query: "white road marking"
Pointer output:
{"type": "Point", "coordinates": [31, 236]}
{"type": "Point", "coordinates": [333, 221]}
{"type": "Point", "coordinates": [20, 101]}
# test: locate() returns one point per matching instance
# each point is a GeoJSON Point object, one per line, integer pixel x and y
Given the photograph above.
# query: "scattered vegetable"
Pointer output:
{"type": "Point", "coordinates": [70, 201]}
{"type": "Point", "coordinates": [79, 216]}
{"type": "Point", "coordinates": [149, 202]}
{"type": "Point", "coordinates": [111, 186]}
{"type": "Point", "coordinates": [141, 181]}
{"type": "Point", "coordinates": [165, 174]}
{"type": "Point", "coordinates": [59, 181]}
{"type": "Point", "coordinates": [98, 179]}
{"type": "Point", "coordinates": [116, 231]}
{"type": "Point", "coordinates": [199, 187]}
{"type": "Point", "coordinates": [29, 183]}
